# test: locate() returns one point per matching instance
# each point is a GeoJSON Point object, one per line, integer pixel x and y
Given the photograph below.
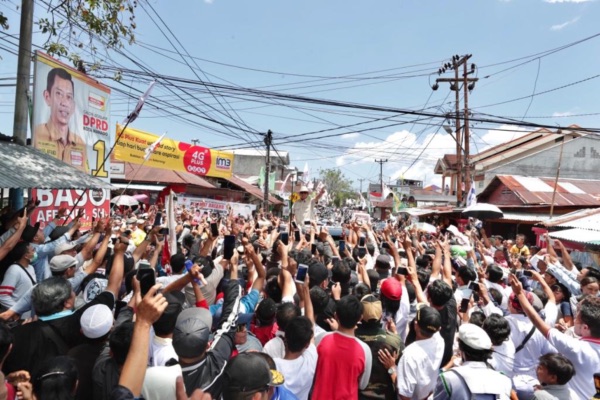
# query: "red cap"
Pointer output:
{"type": "Point", "coordinates": [391, 288]}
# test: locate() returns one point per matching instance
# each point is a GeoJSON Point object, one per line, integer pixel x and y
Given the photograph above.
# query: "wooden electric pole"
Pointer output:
{"type": "Point", "coordinates": [462, 150]}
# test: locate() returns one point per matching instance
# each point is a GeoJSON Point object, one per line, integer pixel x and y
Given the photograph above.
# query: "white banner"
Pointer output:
{"type": "Point", "coordinates": [210, 205]}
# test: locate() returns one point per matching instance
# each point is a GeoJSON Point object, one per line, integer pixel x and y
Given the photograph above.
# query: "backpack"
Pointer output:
{"type": "Point", "coordinates": [474, 396]}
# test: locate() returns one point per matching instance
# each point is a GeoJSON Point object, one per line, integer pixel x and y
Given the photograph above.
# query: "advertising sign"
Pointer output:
{"type": "Point", "coordinates": [209, 205]}
{"type": "Point", "coordinates": [132, 146]}
{"type": "Point", "coordinates": [71, 122]}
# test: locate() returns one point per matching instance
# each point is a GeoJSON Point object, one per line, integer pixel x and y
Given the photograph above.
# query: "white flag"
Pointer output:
{"type": "Point", "coordinates": [171, 222]}
{"type": "Point", "coordinates": [472, 197]}
{"type": "Point", "coordinates": [148, 152]}
{"type": "Point", "coordinates": [385, 192]}
{"type": "Point", "coordinates": [138, 107]}
{"type": "Point", "coordinates": [306, 174]}
{"type": "Point", "coordinates": [282, 189]}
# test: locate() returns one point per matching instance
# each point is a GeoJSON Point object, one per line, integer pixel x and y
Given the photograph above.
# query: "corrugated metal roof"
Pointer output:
{"type": "Point", "coordinates": [525, 217]}
{"type": "Point", "coordinates": [27, 168]}
{"type": "Point", "coordinates": [142, 173]}
{"type": "Point", "coordinates": [134, 186]}
{"type": "Point", "coordinates": [577, 235]}
{"type": "Point", "coordinates": [253, 190]}
{"type": "Point", "coordinates": [588, 218]}
{"type": "Point", "coordinates": [539, 191]}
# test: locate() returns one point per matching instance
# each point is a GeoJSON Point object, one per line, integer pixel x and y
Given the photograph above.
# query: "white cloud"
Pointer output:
{"type": "Point", "coordinates": [402, 148]}
{"type": "Point", "coordinates": [350, 135]}
{"type": "Point", "coordinates": [562, 114]}
{"type": "Point", "coordinates": [558, 27]}
{"type": "Point", "coordinates": [568, 1]}
{"type": "Point", "coordinates": [209, 1]}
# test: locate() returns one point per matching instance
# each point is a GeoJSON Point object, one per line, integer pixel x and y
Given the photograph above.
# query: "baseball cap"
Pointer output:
{"type": "Point", "coordinates": [428, 318]}
{"type": "Point", "coordinates": [64, 247]}
{"type": "Point", "coordinates": [96, 321]}
{"type": "Point", "coordinates": [191, 333]}
{"type": "Point", "coordinates": [62, 262]}
{"type": "Point", "coordinates": [474, 337]}
{"type": "Point", "coordinates": [131, 221]}
{"type": "Point", "coordinates": [372, 309]}
{"type": "Point", "coordinates": [391, 289]}
{"type": "Point", "coordinates": [140, 221]}
{"type": "Point", "coordinates": [247, 373]}
{"type": "Point", "coordinates": [317, 273]}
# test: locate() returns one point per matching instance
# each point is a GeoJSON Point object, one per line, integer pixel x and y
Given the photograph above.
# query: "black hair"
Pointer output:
{"type": "Point", "coordinates": [472, 354]}
{"type": "Point", "coordinates": [207, 265]}
{"type": "Point", "coordinates": [273, 290]}
{"type": "Point", "coordinates": [165, 324]}
{"type": "Point", "coordinates": [319, 299]}
{"type": "Point", "coordinates": [266, 312]}
{"type": "Point", "coordinates": [594, 273]}
{"type": "Point", "coordinates": [467, 274]}
{"type": "Point", "coordinates": [558, 365]}
{"type": "Point", "coordinates": [589, 310]}
{"type": "Point", "coordinates": [298, 334]}
{"type": "Point", "coordinates": [120, 341]}
{"type": "Point", "coordinates": [361, 290]}
{"type": "Point", "coordinates": [349, 311]}
{"type": "Point", "coordinates": [496, 296]}
{"type": "Point", "coordinates": [410, 289]}
{"type": "Point", "coordinates": [285, 313]}
{"type": "Point", "coordinates": [439, 292]}
{"type": "Point", "coordinates": [177, 263]}
{"type": "Point", "coordinates": [61, 73]}
{"type": "Point", "coordinates": [495, 273]}
{"type": "Point", "coordinates": [6, 339]}
{"type": "Point", "coordinates": [350, 263]}
{"type": "Point", "coordinates": [340, 272]}
{"type": "Point", "coordinates": [423, 275]}
{"type": "Point", "coordinates": [497, 328]}
{"type": "Point", "coordinates": [373, 278]}
{"type": "Point", "coordinates": [56, 379]}
{"type": "Point", "coordinates": [542, 295]}
{"type": "Point", "coordinates": [477, 318]}
{"type": "Point", "coordinates": [389, 306]}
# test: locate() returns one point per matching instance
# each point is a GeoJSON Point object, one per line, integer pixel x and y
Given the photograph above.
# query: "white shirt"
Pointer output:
{"type": "Point", "coordinates": [418, 367]}
{"type": "Point", "coordinates": [161, 350]}
{"type": "Point", "coordinates": [585, 357]}
{"type": "Point", "coordinates": [503, 358]}
{"type": "Point", "coordinates": [526, 360]}
{"type": "Point", "coordinates": [299, 373]}
{"type": "Point", "coordinates": [275, 347]}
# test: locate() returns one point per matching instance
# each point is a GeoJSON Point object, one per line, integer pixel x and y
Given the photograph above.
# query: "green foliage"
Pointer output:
{"type": "Point", "coordinates": [338, 186]}
{"type": "Point", "coordinates": [72, 26]}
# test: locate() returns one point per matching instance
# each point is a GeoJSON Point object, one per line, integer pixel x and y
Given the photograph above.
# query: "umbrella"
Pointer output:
{"type": "Point", "coordinates": [483, 211]}
{"type": "Point", "coordinates": [124, 200]}
{"type": "Point", "coordinates": [425, 227]}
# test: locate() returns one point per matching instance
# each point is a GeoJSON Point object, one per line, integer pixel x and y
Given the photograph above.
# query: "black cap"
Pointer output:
{"type": "Point", "coordinates": [248, 373]}
{"type": "Point", "coordinates": [428, 319]}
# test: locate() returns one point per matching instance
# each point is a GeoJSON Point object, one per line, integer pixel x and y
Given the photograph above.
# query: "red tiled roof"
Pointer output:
{"type": "Point", "coordinates": [142, 173]}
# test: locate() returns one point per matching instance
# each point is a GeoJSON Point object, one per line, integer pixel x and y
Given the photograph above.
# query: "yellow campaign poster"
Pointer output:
{"type": "Point", "coordinates": [133, 144]}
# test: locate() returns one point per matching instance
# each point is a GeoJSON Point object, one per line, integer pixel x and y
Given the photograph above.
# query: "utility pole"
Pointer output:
{"type": "Point", "coordinates": [23, 75]}
{"type": "Point", "coordinates": [268, 140]}
{"type": "Point", "coordinates": [462, 151]}
{"type": "Point", "coordinates": [380, 162]}
{"type": "Point", "coordinates": [195, 141]}
{"type": "Point", "coordinates": [361, 181]}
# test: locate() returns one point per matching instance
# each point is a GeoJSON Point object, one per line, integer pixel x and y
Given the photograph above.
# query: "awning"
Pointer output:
{"type": "Point", "coordinates": [525, 217]}
{"type": "Point", "coordinates": [152, 188]}
{"type": "Point", "coordinates": [577, 235]}
{"type": "Point", "coordinates": [27, 168]}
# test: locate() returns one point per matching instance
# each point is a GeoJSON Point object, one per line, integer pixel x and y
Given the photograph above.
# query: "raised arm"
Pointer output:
{"type": "Point", "coordinates": [8, 245]}
{"type": "Point", "coordinates": [533, 316]}
{"type": "Point", "coordinates": [566, 257]}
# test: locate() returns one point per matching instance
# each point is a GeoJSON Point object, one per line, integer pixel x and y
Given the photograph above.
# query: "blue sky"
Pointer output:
{"type": "Point", "coordinates": [297, 40]}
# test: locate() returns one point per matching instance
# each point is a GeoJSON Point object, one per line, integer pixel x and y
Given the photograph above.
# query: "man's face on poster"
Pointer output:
{"type": "Point", "coordinates": [60, 100]}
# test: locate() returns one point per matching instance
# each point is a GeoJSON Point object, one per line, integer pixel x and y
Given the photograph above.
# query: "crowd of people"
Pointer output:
{"type": "Point", "coordinates": [262, 308]}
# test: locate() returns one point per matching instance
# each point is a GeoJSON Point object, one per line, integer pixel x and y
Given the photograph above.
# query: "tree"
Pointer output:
{"type": "Point", "coordinates": [76, 24]}
{"type": "Point", "coordinates": [338, 186]}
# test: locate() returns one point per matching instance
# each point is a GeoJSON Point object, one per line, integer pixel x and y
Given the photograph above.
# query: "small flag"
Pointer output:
{"type": "Point", "coordinates": [472, 197]}
{"type": "Point", "coordinates": [138, 107]}
{"type": "Point", "coordinates": [306, 174]}
{"type": "Point", "coordinates": [282, 188]}
{"type": "Point", "coordinates": [148, 152]}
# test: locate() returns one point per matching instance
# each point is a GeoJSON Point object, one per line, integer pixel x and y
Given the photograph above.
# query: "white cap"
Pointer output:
{"type": "Point", "coordinates": [62, 262]}
{"type": "Point", "coordinates": [303, 188]}
{"type": "Point", "coordinates": [474, 337]}
{"type": "Point", "coordinates": [96, 321]}
{"type": "Point", "coordinates": [61, 248]}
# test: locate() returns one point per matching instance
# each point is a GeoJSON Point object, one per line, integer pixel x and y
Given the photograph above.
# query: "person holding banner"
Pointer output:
{"type": "Point", "coordinates": [54, 136]}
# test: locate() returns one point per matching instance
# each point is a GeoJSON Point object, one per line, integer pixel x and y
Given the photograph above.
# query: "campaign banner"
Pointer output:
{"type": "Point", "coordinates": [133, 146]}
{"type": "Point", "coordinates": [94, 203]}
{"type": "Point", "coordinates": [210, 206]}
{"type": "Point", "coordinates": [71, 114]}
